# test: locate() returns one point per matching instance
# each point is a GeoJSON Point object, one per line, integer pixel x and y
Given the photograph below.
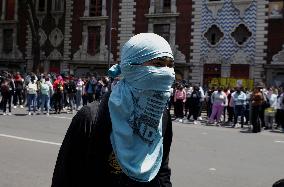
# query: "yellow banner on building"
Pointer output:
{"type": "Point", "coordinates": [231, 83]}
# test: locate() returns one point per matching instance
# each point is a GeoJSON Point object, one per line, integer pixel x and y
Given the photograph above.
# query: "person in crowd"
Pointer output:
{"type": "Point", "coordinates": [19, 85]}
{"type": "Point", "coordinates": [70, 88]}
{"type": "Point", "coordinates": [272, 98]}
{"type": "Point", "coordinates": [32, 94]}
{"type": "Point", "coordinates": [171, 101]}
{"type": "Point", "coordinates": [46, 91]}
{"type": "Point", "coordinates": [219, 100]}
{"type": "Point", "coordinates": [239, 100]}
{"type": "Point", "coordinates": [98, 89]}
{"type": "Point", "coordinates": [280, 109]}
{"type": "Point", "coordinates": [79, 92]}
{"type": "Point", "coordinates": [58, 87]}
{"type": "Point", "coordinates": [247, 106]}
{"type": "Point", "coordinates": [202, 99]}
{"type": "Point", "coordinates": [84, 92]}
{"type": "Point", "coordinates": [179, 100]}
{"type": "Point", "coordinates": [209, 101]}
{"type": "Point", "coordinates": [194, 103]}
{"type": "Point", "coordinates": [256, 107]}
{"type": "Point", "coordinates": [7, 90]}
{"type": "Point", "coordinates": [90, 89]}
{"type": "Point", "coordinates": [230, 107]}
{"type": "Point", "coordinates": [126, 139]}
{"type": "Point", "coordinates": [227, 91]}
{"type": "Point", "coordinates": [188, 90]}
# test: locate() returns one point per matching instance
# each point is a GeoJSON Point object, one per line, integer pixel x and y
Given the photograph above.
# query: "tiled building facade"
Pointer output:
{"type": "Point", "coordinates": [224, 38]}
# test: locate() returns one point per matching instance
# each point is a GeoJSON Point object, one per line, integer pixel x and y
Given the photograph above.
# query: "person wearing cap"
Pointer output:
{"type": "Point", "coordinates": [125, 139]}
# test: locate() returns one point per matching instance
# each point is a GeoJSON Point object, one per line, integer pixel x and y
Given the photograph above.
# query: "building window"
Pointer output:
{"type": "Point", "coordinates": [58, 5]}
{"type": "Point", "coordinates": [241, 34]}
{"type": "Point", "coordinates": [96, 8]}
{"type": "Point", "coordinates": [163, 30]}
{"type": "Point", "coordinates": [7, 40]}
{"type": "Point", "coordinates": [162, 6]}
{"type": "Point", "coordinates": [10, 9]}
{"type": "Point", "coordinates": [41, 5]}
{"type": "Point", "coordinates": [167, 6]}
{"type": "Point", "coordinates": [214, 35]}
{"type": "Point", "coordinates": [94, 40]}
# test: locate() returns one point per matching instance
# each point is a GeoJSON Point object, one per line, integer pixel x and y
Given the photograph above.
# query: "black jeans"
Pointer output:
{"type": "Point", "coordinates": [17, 97]}
{"type": "Point", "coordinates": [255, 118]}
{"type": "Point", "coordinates": [230, 111]}
{"type": "Point", "coordinates": [194, 110]}
{"type": "Point", "coordinates": [7, 99]}
{"type": "Point", "coordinates": [179, 108]}
{"type": "Point", "coordinates": [58, 101]}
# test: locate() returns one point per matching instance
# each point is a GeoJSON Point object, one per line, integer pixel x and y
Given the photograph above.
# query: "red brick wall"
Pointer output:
{"type": "Point", "coordinates": [141, 22]}
{"type": "Point", "coordinates": [115, 18]}
{"type": "Point", "coordinates": [183, 29]}
{"type": "Point", "coordinates": [77, 29]}
{"type": "Point", "coordinates": [275, 37]}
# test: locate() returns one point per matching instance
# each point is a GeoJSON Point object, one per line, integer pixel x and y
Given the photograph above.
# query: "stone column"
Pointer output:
{"type": "Point", "coordinates": [152, 7]}
{"type": "Point", "coordinates": [87, 8]}
{"type": "Point", "coordinates": [3, 9]}
{"type": "Point", "coordinates": [103, 8]}
{"type": "Point", "coordinates": [173, 6]}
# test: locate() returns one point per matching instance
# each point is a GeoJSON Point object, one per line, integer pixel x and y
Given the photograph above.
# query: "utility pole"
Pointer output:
{"type": "Point", "coordinates": [110, 32]}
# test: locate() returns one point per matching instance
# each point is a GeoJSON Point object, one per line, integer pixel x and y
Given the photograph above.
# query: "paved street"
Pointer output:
{"type": "Point", "coordinates": [201, 156]}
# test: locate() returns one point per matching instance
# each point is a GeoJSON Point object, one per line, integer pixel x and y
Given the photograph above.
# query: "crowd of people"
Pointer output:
{"type": "Point", "coordinates": [261, 107]}
{"type": "Point", "coordinates": [45, 92]}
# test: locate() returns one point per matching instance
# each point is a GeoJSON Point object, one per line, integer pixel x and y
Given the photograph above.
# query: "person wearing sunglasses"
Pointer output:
{"type": "Point", "coordinates": [125, 139]}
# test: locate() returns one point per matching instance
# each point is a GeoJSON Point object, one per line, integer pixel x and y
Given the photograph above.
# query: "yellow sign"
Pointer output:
{"type": "Point", "coordinates": [231, 83]}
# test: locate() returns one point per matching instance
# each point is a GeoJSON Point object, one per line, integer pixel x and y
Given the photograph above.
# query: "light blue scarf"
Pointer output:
{"type": "Point", "coordinates": [136, 106]}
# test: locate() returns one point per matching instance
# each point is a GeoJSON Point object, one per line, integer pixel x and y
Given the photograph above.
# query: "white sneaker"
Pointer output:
{"type": "Point", "coordinates": [180, 120]}
{"type": "Point", "coordinates": [15, 106]}
{"type": "Point", "coordinates": [199, 118]}
{"type": "Point", "coordinates": [9, 114]}
{"type": "Point", "coordinates": [195, 122]}
{"type": "Point", "coordinates": [21, 106]}
{"type": "Point", "coordinates": [30, 113]}
{"type": "Point", "coordinates": [47, 114]}
{"type": "Point", "coordinates": [4, 114]}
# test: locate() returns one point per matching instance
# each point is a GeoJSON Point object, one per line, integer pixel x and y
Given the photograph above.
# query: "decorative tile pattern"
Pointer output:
{"type": "Point", "coordinates": [228, 18]}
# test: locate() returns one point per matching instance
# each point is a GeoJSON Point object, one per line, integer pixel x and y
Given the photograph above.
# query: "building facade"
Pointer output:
{"type": "Point", "coordinates": [240, 39]}
{"type": "Point", "coordinates": [229, 40]}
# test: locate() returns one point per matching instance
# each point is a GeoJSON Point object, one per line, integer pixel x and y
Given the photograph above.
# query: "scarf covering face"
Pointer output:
{"type": "Point", "coordinates": [136, 106]}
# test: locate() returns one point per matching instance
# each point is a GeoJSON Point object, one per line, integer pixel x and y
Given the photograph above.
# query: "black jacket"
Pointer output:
{"type": "Point", "coordinates": [84, 157]}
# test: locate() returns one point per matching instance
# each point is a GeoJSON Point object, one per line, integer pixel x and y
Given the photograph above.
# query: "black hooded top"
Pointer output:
{"type": "Point", "coordinates": [86, 158]}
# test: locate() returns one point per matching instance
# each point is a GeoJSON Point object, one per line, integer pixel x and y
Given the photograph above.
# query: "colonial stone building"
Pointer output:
{"type": "Point", "coordinates": [11, 55]}
{"type": "Point", "coordinates": [229, 39]}
{"type": "Point", "coordinates": [89, 49]}
{"type": "Point", "coordinates": [210, 38]}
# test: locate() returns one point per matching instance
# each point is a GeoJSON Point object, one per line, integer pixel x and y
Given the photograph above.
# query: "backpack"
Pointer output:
{"type": "Point", "coordinates": [44, 89]}
{"type": "Point", "coordinates": [4, 88]}
{"type": "Point", "coordinates": [31, 88]}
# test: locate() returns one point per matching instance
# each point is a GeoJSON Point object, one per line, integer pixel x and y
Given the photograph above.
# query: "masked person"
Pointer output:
{"type": "Point", "coordinates": [125, 139]}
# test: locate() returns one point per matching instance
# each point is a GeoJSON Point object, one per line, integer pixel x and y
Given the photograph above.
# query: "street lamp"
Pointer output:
{"type": "Point", "coordinates": [110, 29]}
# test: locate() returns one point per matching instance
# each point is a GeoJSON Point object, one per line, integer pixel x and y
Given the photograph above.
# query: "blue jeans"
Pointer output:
{"type": "Point", "coordinates": [239, 110]}
{"type": "Point", "coordinates": [45, 101]}
{"type": "Point", "coordinates": [32, 101]}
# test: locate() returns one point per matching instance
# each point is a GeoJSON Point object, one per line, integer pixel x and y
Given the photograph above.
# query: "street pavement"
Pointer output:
{"type": "Point", "coordinates": [201, 156]}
